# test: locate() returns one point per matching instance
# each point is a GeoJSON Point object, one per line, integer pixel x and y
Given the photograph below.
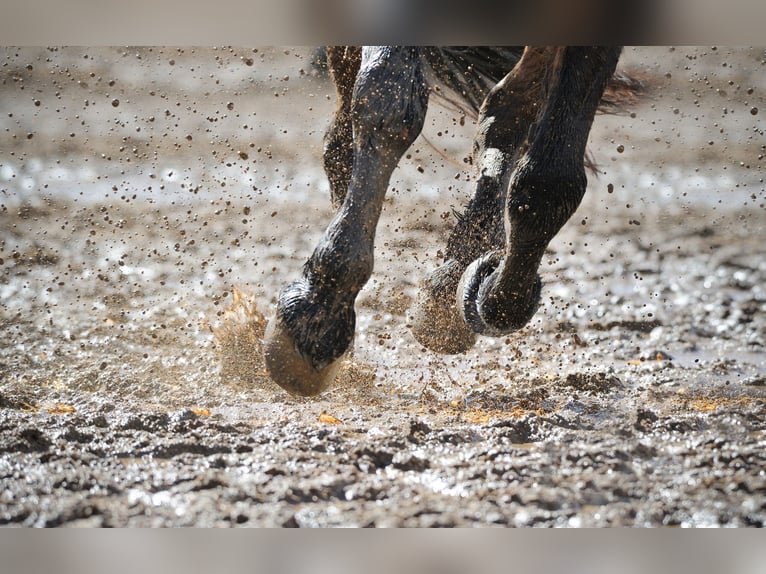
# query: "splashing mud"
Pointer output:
{"type": "Point", "coordinates": [239, 341]}
{"type": "Point", "coordinates": [635, 396]}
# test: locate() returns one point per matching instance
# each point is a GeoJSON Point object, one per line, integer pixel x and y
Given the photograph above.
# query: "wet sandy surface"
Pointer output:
{"type": "Point", "coordinates": [138, 187]}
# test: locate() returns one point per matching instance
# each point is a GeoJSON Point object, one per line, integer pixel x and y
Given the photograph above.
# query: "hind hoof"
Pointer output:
{"type": "Point", "coordinates": [436, 321]}
{"type": "Point", "coordinates": [289, 369]}
{"type": "Point", "coordinates": [489, 315]}
{"type": "Point", "coordinates": [471, 290]}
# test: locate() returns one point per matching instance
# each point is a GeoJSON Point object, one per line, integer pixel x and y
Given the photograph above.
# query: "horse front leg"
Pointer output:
{"type": "Point", "coordinates": [314, 322]}
{"type": "Point", "coordinates": [500, 292]}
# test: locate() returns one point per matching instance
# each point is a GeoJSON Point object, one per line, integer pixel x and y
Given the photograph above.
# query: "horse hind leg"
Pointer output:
{"type": "Point", "coordinates": [504, 122]}
{"type": "Point", "coordinates": [500, 292]}
{"type": "Point", "coordinates": [343, 63]}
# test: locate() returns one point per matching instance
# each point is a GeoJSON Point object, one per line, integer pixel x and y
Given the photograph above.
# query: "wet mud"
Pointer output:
{"type": "Point", "coordinates": [139, 255]}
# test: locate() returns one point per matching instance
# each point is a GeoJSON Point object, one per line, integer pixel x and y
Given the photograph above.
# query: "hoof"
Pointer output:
{"type": "Point", "coordinates": [471, 289]}
{"type": "Point", "coordinates": [289, 369]}
{"type": "Point", "coordinates": [489, 315]}
{"type": "Point", "coordinates": [436, 321]}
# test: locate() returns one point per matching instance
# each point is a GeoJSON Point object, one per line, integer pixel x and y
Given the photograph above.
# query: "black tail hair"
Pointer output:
{"type": "Point", "coordinates": [469, 72]}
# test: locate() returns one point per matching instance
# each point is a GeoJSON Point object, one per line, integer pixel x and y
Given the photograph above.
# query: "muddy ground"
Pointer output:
{"type": "Point", "coordinates": [139, 187]}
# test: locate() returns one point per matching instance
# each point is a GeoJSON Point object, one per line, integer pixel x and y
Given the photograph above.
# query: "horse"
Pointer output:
{"type": "Point", "coordinates": [535, 107]}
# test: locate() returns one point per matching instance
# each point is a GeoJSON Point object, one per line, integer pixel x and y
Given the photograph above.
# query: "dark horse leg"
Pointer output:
{"type": "Point", "coordinates": [314, 321]}
{"type": "Point", "coordinates": [338, 155]}
{"type": "Point", "coordinates": [504, 121]}
{"type": "Point", "coordinates": [499, 292]}
{"type": "Point", "coordinates": [530, 151]}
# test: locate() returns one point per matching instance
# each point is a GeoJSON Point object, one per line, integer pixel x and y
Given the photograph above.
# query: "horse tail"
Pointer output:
{"type": "Point", "coordinates": [623, 90]}
{"type": "Point", "coordinates": [469, 72]}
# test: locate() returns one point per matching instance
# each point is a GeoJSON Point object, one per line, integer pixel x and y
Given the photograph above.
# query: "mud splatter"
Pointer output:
{"type": "Point", "coordinates": [239, 341]}
{"type": "Point", "coordinates": [119, 248]}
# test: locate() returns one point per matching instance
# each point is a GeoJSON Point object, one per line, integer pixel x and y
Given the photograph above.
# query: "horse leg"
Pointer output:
{"type": "Point", "coordinates": [504, 121]}
{"type": "Point", "coordinates": [500, 291]}
{"type": "Point", "coordinates": [314, 321]}
{"type": "Point", "coordinates": [338, 154]}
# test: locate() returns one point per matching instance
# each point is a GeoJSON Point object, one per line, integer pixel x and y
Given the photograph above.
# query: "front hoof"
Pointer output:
{"type": "Point", "coordinates": [487, 311]}
{"type": "Point", "coordinates": [288, 368]}
{"type": "Point", "coordinates": [436, 321]}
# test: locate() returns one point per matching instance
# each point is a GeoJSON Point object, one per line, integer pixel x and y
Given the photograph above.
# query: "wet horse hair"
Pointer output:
{"type": "Point", "coordinates": [470, 72]}
{"type": "Point", "coordinates": [534, 108]}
